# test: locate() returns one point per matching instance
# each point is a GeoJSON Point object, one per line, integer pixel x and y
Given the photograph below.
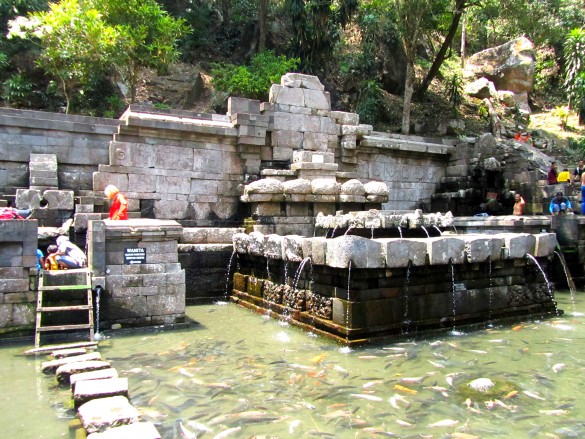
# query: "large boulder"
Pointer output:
{"type": "Point", "coordinates": [509, 66]}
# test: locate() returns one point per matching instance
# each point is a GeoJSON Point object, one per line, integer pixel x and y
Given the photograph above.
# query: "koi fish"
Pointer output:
{"type": "Point", "coordinates": [226, 433]}
{"type": "Point", "coordinates": [404, 389]}
{"type": "Point", "coordinates": [558, 367]}
{"type": "Point", "coordinates": [533, 395]}
{"type": "Point", "coordinates": [318, 358]}
{"type": "Point", "coordinates": [444, 423]}
{"type": "Point", "coordinates": [368, 397]}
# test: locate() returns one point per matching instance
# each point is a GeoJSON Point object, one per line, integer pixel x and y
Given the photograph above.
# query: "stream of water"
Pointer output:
{"type": "Point", "coordinates": [233, 369]}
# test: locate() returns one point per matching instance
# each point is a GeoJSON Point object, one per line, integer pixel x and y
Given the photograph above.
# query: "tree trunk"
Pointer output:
{"type": "Point", "coordinates": [463, 40]}
{"type": "Point", "coordinates": [460, 5]}
{"type": "Point", "coordinates": [262, 18]}
{"type": "Point", "coordinates": [408, 92]}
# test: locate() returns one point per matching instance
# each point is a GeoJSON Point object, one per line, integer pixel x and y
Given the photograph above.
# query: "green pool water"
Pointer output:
{"type": "Point", "coordinates": [237, 374]}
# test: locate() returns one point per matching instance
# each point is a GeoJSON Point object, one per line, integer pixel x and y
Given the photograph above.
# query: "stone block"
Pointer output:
{"type": "Point", "coordinates": [344, 118]}
{"type": "Point", "coordinates": [355, 250]}
{"type": "Point", "coordinates": [274, 247]}
{"type": "Point", "coordinates": [93, 375]}
{"type": "Point", "coordinates": [316, 99]}
{"type": "Point", "coordinates": [480, 248]}
{"type": "Point", "coordinates": [23, 314]}
{"type": "Point", "coordinates": [316, 249]}
{"type": "Point", "coordinates": [28, 198]}
{"type": "Point", "coordinates": [100, 414]}
{"type": "Point", "coordinates": [545, 244]}
{"type": "Point", "coordinates": [167, 209]}
{"type": "Point", "coordinates": [166, 304]}
{"type": "Point", "coordinates": [287, 96]}
{"type": "Point", "coordinates": [81, 220]}
{"type": "Point", "coordinates": [398, 252]}
{"type": "Point", "coordinates": [5, 315]}
{"type": "Point", "coordinates": [102, 179]}
{"type": "Point", "coordinates": [445, 250]}
{"type": "Point", "coordinates": [92, 389]}
{"type": "Point", "coordinates": [137, 430]}
{"type": "Point", "coordinates": [58, 199]}
{"type": "Point", "coordinates": [301, 80]}
{"type": "Point", "coordinates": [282, 153]}
{"type": "Point", "coordinates": [287, 138]}
{"type": "Point", "coordinates": [64, 371]}
{"type": "Point", "coordinates": [52, 365]}
{"type": "Point", "coordinates": [84, 208]}
{"type": "Point", "coordinates": [517, 245]}
{"type": "Point", "coordinates": [243, 105]}
{"type": "Point", "coordinates": [292, 248]}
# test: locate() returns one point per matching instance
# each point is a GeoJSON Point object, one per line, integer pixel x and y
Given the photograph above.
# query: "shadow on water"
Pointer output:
{"type": "Point", "coordinates": [236, 370]}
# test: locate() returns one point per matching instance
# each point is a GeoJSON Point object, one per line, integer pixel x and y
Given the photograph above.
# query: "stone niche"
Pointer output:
{"type": "Point", "coordinates": [136, 263]}
{"type": "Point", "coordinates": [18, 246]}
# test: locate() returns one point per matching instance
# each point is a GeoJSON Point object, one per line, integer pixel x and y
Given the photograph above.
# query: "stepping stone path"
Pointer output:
{"type": "Point", "coordinates": [99, 395]}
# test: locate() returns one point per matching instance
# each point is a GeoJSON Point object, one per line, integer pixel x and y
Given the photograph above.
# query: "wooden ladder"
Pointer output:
{"type": "Point", "coordinates": [81, 294]}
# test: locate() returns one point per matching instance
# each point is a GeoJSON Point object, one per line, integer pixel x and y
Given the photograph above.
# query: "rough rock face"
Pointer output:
{"type": "Point", "coordinates": [509, 66]}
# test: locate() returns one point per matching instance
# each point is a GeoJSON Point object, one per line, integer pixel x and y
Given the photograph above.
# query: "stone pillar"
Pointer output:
{"type": "Point", "coordinates": [136, 262]}
{"type": "Point", "coordinates": [18, 260]}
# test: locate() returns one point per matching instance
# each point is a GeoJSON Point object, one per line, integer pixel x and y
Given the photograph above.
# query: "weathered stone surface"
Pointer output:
{"type": "Point", "coordinates": [445, 250]}
{"type": "Point", "coordinates": [297, 186]}
{"type": "Point", "coordinates": [274, 247]}
{"type": "Point", "coordinates": [66, 370]}
{"type": "Point", "coordinates": [481, 89]}
{"type": "Point", "coordinates": [100, 414]}
{"type": "Point", "coordinates": [87, 390]}
{"type": "Point", "coordinates": [293, 248]}
{"type": "Point", "coordinates": [325, 186]}
{"type": "Point", "coordinates": [264, 186]}
{"type": "Point", "coordinates": [376, 188]}
{"type": "Point", "coordinates": [62, 353]}
{"type": "Point", "coordinates": [93, 375]}
{"type": "Point", "coordinates": [300, 80]}
{"type": "Point", "coordinates": [52, 365]}
{"type": "Point", "coordinates": [353, 187]}
{"type": "Point", "coordinates": [58, 199]}
{"type": "Point", "coordinates": [400, 252]}
{"type": "Point", "coordinates": [28, 198]}
{"type": "Point", "coordinates": [545, 244]}
{"type": "Point", "coordinates": [360, 252]}
{"type": "Point", "coordinates": [510, 66]}
{"type": "Point", "coordinates": [137, 430]}
{"type": "Point", "coordinates": [481, 248]}
{"type": "Point", "coordinates": [518, 245]}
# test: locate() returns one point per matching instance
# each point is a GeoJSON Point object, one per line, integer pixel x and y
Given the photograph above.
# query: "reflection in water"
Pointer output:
{"type": "Point", "coordinates": [236, 370]}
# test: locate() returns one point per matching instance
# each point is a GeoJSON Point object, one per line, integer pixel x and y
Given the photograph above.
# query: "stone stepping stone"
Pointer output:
{"type": "Point", "coordinates": [138, 430]}
{"type": "Point", "coordinates": [53, 365]}
{"type": "Point", "coordinates": [62, 353]}
{"type": "Point", "coordinates": [65, 371]}
{"type": "Point", "coordinates": [100, 414]}
{"type": "Point", "coordinates": [87, 390]}
{"type": "Point", "coordinates": [93, 375]}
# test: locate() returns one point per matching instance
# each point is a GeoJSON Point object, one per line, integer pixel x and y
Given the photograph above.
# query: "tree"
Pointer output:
{"type": "Point", "coordinates": [574, 53]}
{"type": "Point", "coordinates": [413, 17]}
{"type": "Point", "coordinates": [148, 37]}
{"type": "Point", "coordinates": [76, 42]}
{"type": "Point", "coordinates": [458, 11]}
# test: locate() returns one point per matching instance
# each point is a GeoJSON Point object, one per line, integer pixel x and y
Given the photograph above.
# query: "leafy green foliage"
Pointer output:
{"type": "Point", "coordinates": [368, 101]}
{"type": "Point", "coordinates": [255, 80]}
{"type": "Point", "coordinates": [17, 91]}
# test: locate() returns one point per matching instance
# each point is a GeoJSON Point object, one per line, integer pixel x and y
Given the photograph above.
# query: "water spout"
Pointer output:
{"type": "Point", "coordinates": [299, 271]}
{"type": "Point", "coordinates": [227, 278]}
{"type": "Point", "coordinates": [570, 282]}
{"type": "Point", "coordinates": [426, 231]}
{"type": "Point", "coordinates": [97, 336]}
{"type": "Point", "coordinates": [548, 284]}
{"type": "Point", "coordinates": [399, 230]}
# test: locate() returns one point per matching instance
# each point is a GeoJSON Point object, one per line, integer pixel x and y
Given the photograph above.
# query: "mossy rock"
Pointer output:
{"type": "Point", "coordinates": [500, 389]}
{"type": "Point", "coordinates": [248, 225]}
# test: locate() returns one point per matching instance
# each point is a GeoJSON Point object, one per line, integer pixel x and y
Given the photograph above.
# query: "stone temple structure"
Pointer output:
{"type": "Point", "coordinates": [336, 211]}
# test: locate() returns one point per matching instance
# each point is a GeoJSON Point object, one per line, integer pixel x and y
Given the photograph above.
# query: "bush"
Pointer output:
{"type": "Point", "coordinates": [368, 101]}
{"type": "Point", "coordinates": [253, 81]}
{"type": "Point", "coordinates": [18, 91]}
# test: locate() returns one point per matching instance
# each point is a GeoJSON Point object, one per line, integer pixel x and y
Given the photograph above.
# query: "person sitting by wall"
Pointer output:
{"type": "Point", "coordinates": [8, 213]}
{"type": "Point", "coordinates": [119, 207]}
{"type": "Point", "coordinates": [564, 176]}
{"type": "Point", "coordinates": [560, 205]}
{"type": "Point", "coordinates": [519, 204]}
{"type": "Point", "coordinates": [69, 255]}
{"type": "Point", "coordinates": [51, 259]}
{"type": "Point", "coordinates": [553, 172]}
{"type": "Point", "coordinates": [578, 171]}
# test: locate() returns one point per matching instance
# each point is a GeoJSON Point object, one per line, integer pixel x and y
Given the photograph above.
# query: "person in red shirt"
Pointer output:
{"type": "Point", "coordinates": [119, 208]}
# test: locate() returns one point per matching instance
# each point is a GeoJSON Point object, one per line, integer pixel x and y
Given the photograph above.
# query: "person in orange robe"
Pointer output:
{"type": "Point", "coordinates": [119, 208]}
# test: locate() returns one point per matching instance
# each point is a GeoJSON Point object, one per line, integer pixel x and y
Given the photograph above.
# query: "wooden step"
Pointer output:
{"type": "Point", "coordinates": [53, 347]}
{"type": "Point", "coordinates": [64, 327]}
{"type": "Point", "coordinates": [65, 287]}
{"type": "Point", "coordinates": [63, 308]}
